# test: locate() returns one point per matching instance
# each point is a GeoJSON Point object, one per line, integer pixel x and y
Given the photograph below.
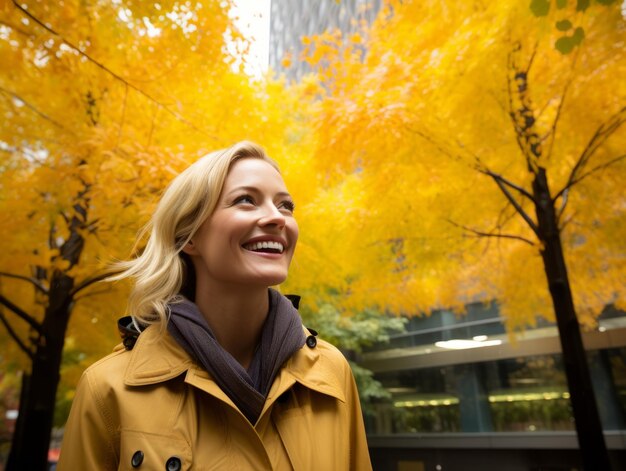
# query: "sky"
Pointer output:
{"type": "Point", "coordinates": [254, 22]}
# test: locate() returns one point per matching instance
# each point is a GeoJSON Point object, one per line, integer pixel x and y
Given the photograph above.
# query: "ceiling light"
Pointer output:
{"type": "Point", "coordinates": [460, 344]}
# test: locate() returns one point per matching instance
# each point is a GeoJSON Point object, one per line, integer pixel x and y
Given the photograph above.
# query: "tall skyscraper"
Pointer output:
{"type": "Point", "coordinates": [291, 20]}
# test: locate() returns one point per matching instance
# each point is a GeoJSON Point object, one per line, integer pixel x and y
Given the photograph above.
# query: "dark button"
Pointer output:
{"type": "Point", "coordinates": [137, 459]}
{"type": "Point", "coordinates": [311, 341]}
{"type": "Point", "coordinates": [173, 464]}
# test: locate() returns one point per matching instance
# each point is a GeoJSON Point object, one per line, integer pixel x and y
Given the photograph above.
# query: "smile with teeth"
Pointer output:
{"type": "Point", "coordinates": [267, 246]}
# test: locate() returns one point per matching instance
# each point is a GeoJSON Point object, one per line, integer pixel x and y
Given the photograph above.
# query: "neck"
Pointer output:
{"type": "Point", "coordinates": [235, 318]}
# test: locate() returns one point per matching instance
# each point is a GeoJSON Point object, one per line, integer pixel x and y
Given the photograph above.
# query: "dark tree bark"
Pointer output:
{"type": "Point", "coordinates": [546, 228]}
{"type": "Point", "coordinates": [29, 448]}
{"type": "Point", "coordinates": [588, 425]}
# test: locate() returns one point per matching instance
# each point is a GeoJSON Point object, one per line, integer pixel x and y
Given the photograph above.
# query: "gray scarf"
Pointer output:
{"type": "Point", "coordinates": [281, 337]}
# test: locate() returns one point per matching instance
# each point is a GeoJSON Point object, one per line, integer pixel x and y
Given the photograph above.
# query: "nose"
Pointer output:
{"type": "Point", "coordinates": [272, 216]}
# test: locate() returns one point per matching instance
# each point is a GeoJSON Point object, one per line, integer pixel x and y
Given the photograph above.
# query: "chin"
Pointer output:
{"type": "Point", "coordinates": [272, 279]}
{"type": "Point", "coordinates": [276, 281]}
{"type": "Point", "coordinates": [267, 275]}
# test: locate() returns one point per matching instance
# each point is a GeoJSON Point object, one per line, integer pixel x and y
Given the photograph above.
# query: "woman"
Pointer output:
{"type": "Point", "coordinates": [223, 375]}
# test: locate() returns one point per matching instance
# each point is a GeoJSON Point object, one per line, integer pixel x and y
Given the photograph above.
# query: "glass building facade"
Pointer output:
{"type": "Point", "coordinates": [463, 390]}
{"type": "Point", "coordinates": [291, 20]}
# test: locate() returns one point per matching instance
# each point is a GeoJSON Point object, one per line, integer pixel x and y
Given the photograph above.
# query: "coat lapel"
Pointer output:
{"type": "Point", "coordinates": [156, 357]}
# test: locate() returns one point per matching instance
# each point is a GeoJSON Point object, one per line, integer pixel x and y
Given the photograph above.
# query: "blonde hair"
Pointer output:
{"type": "Point", "coordinates": [162, 272]}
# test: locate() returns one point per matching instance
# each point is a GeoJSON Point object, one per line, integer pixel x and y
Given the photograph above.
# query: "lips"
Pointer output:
{"type": "Point", "coordinates": [266, 246]}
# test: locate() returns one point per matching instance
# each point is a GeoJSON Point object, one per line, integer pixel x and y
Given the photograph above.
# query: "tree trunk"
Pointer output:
{"type": "Point", "coordinates": [29, 449]}
{"type": "Point", "coordinates": [18, 439]}
{"type": "Point", "coordinates": [582, 398]}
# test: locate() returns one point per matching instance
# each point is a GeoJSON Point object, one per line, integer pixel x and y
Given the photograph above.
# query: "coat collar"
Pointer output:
{"type": "Point", "coordinates": [156, 358]}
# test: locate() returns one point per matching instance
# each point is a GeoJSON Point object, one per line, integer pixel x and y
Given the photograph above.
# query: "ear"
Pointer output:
{"type": "Point", "coordinates": [190, 248]}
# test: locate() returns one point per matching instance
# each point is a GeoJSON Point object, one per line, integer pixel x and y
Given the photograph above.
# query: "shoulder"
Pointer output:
{"type": "Point", "coordinates": [320, 366]}
{"type": "Point", "coordinates": [104, 379]}
{"type": "Point", "coordinates": [326, 350]}
{"type": "Point", "coordinates": [331, 354]}
{"type": "Point", "coordinates": [155, 358]}
{"type": "Point", "coordinates": [121, 385]}
{"type": "Point", "coordinates": [110, 366]}
{"type": "Point", "coordinates": [333, 360]}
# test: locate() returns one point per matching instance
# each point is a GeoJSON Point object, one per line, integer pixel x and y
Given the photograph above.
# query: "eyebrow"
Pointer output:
{"type": "Point", "coordinates": [256, 190]}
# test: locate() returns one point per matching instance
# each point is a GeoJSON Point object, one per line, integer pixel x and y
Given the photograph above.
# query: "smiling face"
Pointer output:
{"type": "Point", "coordinates": [251, 236]}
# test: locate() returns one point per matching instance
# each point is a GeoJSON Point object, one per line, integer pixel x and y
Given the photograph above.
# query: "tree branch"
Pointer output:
{"type": "Point", "coordinates": [498, 235]}
{"type": "Point", "coordinates": [33, 281]}
{"type": "Point", "coordinates": [93, 293]}
{"type": "Point", "coordinates": [511, 112]}
{"type": "Point", "coordinates": [109, 71]}
{"type": "Point", "coordinates": [564, 201]}
{"type": "Point", "coordinates": [566, 222]}
{"type": "Point", "coordinates": [21, 314]}
{"type": "Point", "coordinates": [437, 145]}
{"type": "Point", "coordinates": [532, 58]}
{"type": "Point", "coordinates": [91, 280]}
{"type": "Point", "coordinates": [503, 218]}
{"type": "Point", "coordinates": [32, 108]}
{"type": "Point", "coordinates": [523, 118]}
{"type": "Point", "coordinates": [15, 337]}
{"type": "Point", "coordinates": [517, 207]}
{"type": "Point", "coordinates": [552, 132]}
{"type": "Point", "coordinates": [16, 29]}
{"type": "Point", "coordinates": [604, 131]}
{"type": "Point", "coordinates": [597, 168]}
{"type": "Point", "coordinates": [504, 181]}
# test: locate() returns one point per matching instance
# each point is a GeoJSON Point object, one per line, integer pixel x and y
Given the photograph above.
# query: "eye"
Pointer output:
{"type": "Point", "coordinates": [287, 205]}
{"type": "Point", "coordinates": [244, 199]}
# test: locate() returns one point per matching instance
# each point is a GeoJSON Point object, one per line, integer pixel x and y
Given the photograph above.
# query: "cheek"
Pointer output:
{"type": "Point", "coordinates": [295, 231]}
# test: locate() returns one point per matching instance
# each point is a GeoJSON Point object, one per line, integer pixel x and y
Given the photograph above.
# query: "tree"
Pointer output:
{"type": "Point", "coordinates": [102, 103]}
{"type": "Point", "coordinates": [479, 150]}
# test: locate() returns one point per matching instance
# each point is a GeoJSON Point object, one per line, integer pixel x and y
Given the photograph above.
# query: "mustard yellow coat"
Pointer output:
{"type": "Point", "coordinates": [154, 408]}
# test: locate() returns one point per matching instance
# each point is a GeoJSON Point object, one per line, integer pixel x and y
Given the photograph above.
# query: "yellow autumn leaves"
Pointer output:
{"type": "Point", "coordinates": [380, 147]}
